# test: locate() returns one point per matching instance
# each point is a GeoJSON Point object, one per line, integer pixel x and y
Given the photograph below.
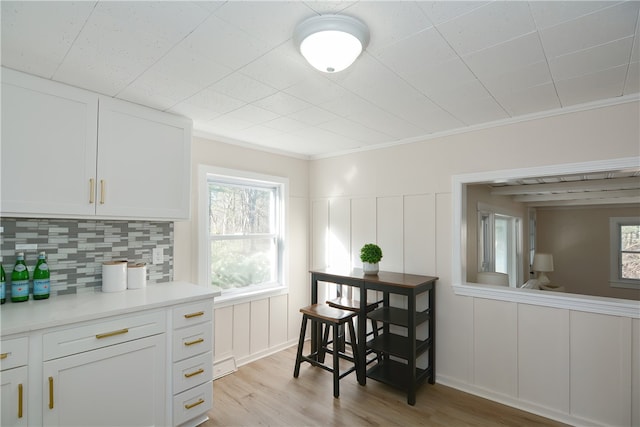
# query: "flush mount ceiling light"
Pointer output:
{"type": "Point", "coordinates": [330, 43]}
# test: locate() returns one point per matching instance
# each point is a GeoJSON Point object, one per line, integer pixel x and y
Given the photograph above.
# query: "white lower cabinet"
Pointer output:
{"type": "Point", "coordinates": [192, 356]}
{"type": "Point", "coordinates": [14, 381]}
{"type": "Point", "coordinates": [135, 358]}
{"type": "Point", "coordinates": [120, 385]}
{"type": "Point", "coordinates": [13, 397]}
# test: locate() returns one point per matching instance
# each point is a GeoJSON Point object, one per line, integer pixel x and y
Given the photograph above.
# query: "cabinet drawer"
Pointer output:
{"type": "Point", "coordinates": [192, 403]}
{"type": "Point", "coordinates": [192, 372]}
{"type": "Point", "coordinates": [102, 334]}
{"type": "Point", "coordinates": [13, 353]}
{"type": "Point", "coordinates": [192, 314]}
{"type": "Point", "coordinates": [192, 341]}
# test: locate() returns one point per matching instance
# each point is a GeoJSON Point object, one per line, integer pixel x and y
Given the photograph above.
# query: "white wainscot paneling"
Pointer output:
{"type": "Point", "coordinates": [390, 232]}
{"type": "Point", "coordinates": [320, 233]}
{"type": "Point", "coordinates": [495, 343]}
{"type": "Point", "coordinates": [363, 226]}
{"type": "Point", "coordinates": [601, 368]}
{"type": "Point", "coordinates": [277, 320]}
{"type": "Point", "coordinates": [259, 325]}
{"type": "Point", "coordinates": [543, 356]}
{"type": "Point", "coordinates": [223, 332]}
{"type": "Point", "coordinates": [454, 349]}
{"type": "Point", "coordinates": [339, 234]}
{"type": "Point", "coordinates": [635, 379]}
{"type": "Point", "coordinates": [241, 330]}
{"type": "Point", "coordinates": [419, 234]}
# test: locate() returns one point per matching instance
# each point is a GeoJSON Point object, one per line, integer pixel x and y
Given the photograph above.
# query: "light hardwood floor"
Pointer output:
{"type": "Point", "coordinates": [265, 393]}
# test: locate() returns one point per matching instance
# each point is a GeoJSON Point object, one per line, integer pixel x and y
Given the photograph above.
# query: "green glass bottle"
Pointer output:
{"type": "Point", "coordinates": [20, 280]}
{"type": "Point", "coordinates": [41, 278]}
{"type": "Point", "coordinates": [3, 284]}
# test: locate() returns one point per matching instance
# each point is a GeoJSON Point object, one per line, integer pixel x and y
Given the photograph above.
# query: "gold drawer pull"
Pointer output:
{"type": "Point", "coordinates": [193, 374]}
{"type": "Point", "coordinates": [102, 191]}
{"type": "Point", "coordinates": [50, 392]}
{"type": "Point", "coordinates": [189, 316]}
{"type": "Point", "coordinates": [112, 333]}
{"type": "Point", "coordinates": [19, 400]}
{"type": "Point", "coordinates": [198, 341]}
{"type": "Point", "coordinates": [3, 356]}
{"type": "Point", "coordinates": [92, 191]}
{"type": "Point", "coordinates": [193, 405]}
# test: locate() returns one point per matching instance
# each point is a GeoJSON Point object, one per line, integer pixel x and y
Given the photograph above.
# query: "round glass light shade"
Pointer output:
{"type": "Point", "coordinates": [330, 51]}
{"type": "Point", "coordinates": [330, 43]}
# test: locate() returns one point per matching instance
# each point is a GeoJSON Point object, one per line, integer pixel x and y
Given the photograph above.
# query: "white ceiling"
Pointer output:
{"type": "Point", "coordinates": [430, 67]}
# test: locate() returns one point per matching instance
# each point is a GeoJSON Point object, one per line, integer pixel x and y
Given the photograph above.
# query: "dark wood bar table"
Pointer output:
{"type": "Point", "coordinates": [406, 376]}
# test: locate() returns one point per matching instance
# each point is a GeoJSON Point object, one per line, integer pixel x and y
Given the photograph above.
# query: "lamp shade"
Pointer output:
{"type": "Point", "coordinates": [331, 43]}
{"type": "Point", "coordinates": [543, 262]}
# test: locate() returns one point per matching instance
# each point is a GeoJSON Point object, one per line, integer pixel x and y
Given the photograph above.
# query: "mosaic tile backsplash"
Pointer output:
{"type": "Point", "coordinates": [76, 249]}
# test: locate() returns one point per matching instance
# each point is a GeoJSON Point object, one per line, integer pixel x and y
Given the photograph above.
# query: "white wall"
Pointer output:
{"type": "Point", "coordinates": [569, 365]}
{"type": "Point", "coordinates": [249, 330]}
{"type": "Point", "coordinates": [578, 238]}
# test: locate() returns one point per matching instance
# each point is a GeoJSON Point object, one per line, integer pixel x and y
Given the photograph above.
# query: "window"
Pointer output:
{"type": "Point", "coordinates": [499, 243]}
{"type": "Point", "coordinates": [624, 235]}
{"type": "Point", "coordinates": [242, 220]}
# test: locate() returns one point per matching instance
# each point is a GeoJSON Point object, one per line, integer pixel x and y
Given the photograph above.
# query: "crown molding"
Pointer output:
{"type": "Point", "coordinates": [497, 123]}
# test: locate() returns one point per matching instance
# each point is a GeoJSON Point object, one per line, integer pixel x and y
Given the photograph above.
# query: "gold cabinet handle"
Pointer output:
{"type": "Point", "coordinates": [190, 315]}
{"type": "Point", "coordinates": [193, 405]}
{"type": "Point", "coordinates": [50, 392]}
{"type": "Point", "coordinates": [19, 400]}
{"type": "Point", "coordinates": [92, 191]}
{"type": "Point", "coordinates": [102, 191]}
{"type": "Point", "coordinates": [193, 374]}
{"type": "Point", "coordinates": [112, 333]}
{"type": "Point", "coordinates": [3, 356]}
{"type": "Point", "coordinates": [198, 341]}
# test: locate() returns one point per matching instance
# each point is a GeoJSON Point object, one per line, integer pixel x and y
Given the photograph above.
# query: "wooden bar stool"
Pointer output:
{"type": "Point", "coordinates": [349, 304]}
{"type": "Point", "coordinates": [328, 317]}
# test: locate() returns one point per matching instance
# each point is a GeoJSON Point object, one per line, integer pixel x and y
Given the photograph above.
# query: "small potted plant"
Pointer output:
{"type": "Point", "coordinates": [370, 255]}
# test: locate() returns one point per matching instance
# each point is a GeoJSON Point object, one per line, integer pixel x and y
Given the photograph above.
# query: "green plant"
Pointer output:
{"type": "Point", "coordinates": [370, 253]}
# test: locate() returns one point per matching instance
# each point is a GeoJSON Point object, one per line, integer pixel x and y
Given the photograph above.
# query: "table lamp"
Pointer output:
{"type": "Point", "coordinates": [543, 263]}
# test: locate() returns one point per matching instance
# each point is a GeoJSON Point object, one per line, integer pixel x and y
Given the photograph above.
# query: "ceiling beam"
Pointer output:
{"type": "Point", "coordinates": [588, 202]}
{"type": "Point", "coordinates": [630, 183]}
{"type": "Point", "coordinates": [585, 195]}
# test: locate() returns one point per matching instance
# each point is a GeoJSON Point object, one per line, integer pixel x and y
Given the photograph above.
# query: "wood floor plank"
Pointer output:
{"type": "Point", "coordinates": [264, 393]}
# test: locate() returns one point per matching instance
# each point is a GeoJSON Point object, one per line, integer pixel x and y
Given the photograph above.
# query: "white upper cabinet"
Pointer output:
{"type": "Point", "coordinates": [143, 162]}
{"type": "Point", "coordinates": [49, 135]}
{"type": "Point", "coordinates": [67, 152]}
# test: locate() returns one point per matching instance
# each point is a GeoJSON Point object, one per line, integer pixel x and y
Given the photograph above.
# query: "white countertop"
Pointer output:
{"type": "Point", "coordinates": [16, 318]}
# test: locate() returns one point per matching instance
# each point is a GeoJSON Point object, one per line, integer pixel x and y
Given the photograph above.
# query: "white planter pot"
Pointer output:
{"type": "Point", "coordinates": [370, 268]}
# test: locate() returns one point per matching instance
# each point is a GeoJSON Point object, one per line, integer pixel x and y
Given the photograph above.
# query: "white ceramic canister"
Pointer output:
{"type": "Point", "coordinates": [114, 276]}
{"type": "Point", "coordinates": [136, 275]}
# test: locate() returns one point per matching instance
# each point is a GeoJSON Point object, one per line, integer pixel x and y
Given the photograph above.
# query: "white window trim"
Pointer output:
{"type": "Point", "coordinates": [492, 211]}
{"type": "Point", "coordinates": [203, 234]}
{"type": "Point", "coordinates": [615, 281]}
{"type": "Point", "coordinates": [591, 304]}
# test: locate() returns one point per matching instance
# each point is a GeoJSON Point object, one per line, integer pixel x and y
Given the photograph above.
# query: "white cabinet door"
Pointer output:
{"type": "Point", "coordinates": [48, 147]}
{"type": "Point", "coordinates": [13, 397]}
{"type": "Point", "coordinates": [143, 162]}
{"type": "Point", "coordinates": [124, 384]}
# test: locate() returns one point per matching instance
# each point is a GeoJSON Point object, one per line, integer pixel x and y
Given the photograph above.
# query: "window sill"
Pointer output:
{"type": "Point", "coordinates": [586, 303]}
{"type": "Point", "coordinates": [234, 299]}
{"type": "Point", "coordinates": [625, 285]}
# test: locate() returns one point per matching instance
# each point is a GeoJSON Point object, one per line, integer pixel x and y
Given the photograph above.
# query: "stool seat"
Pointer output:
{"type": "Point", "coordinates": [328, 317]}
{"type": "Point", "coordinates": [328, 313]}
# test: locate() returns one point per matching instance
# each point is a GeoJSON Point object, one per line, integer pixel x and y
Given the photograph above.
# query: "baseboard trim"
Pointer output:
{"type": "Point", "coordinates": [531, 407]}
{"type": "Point", "coordinates": [264, 353]}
